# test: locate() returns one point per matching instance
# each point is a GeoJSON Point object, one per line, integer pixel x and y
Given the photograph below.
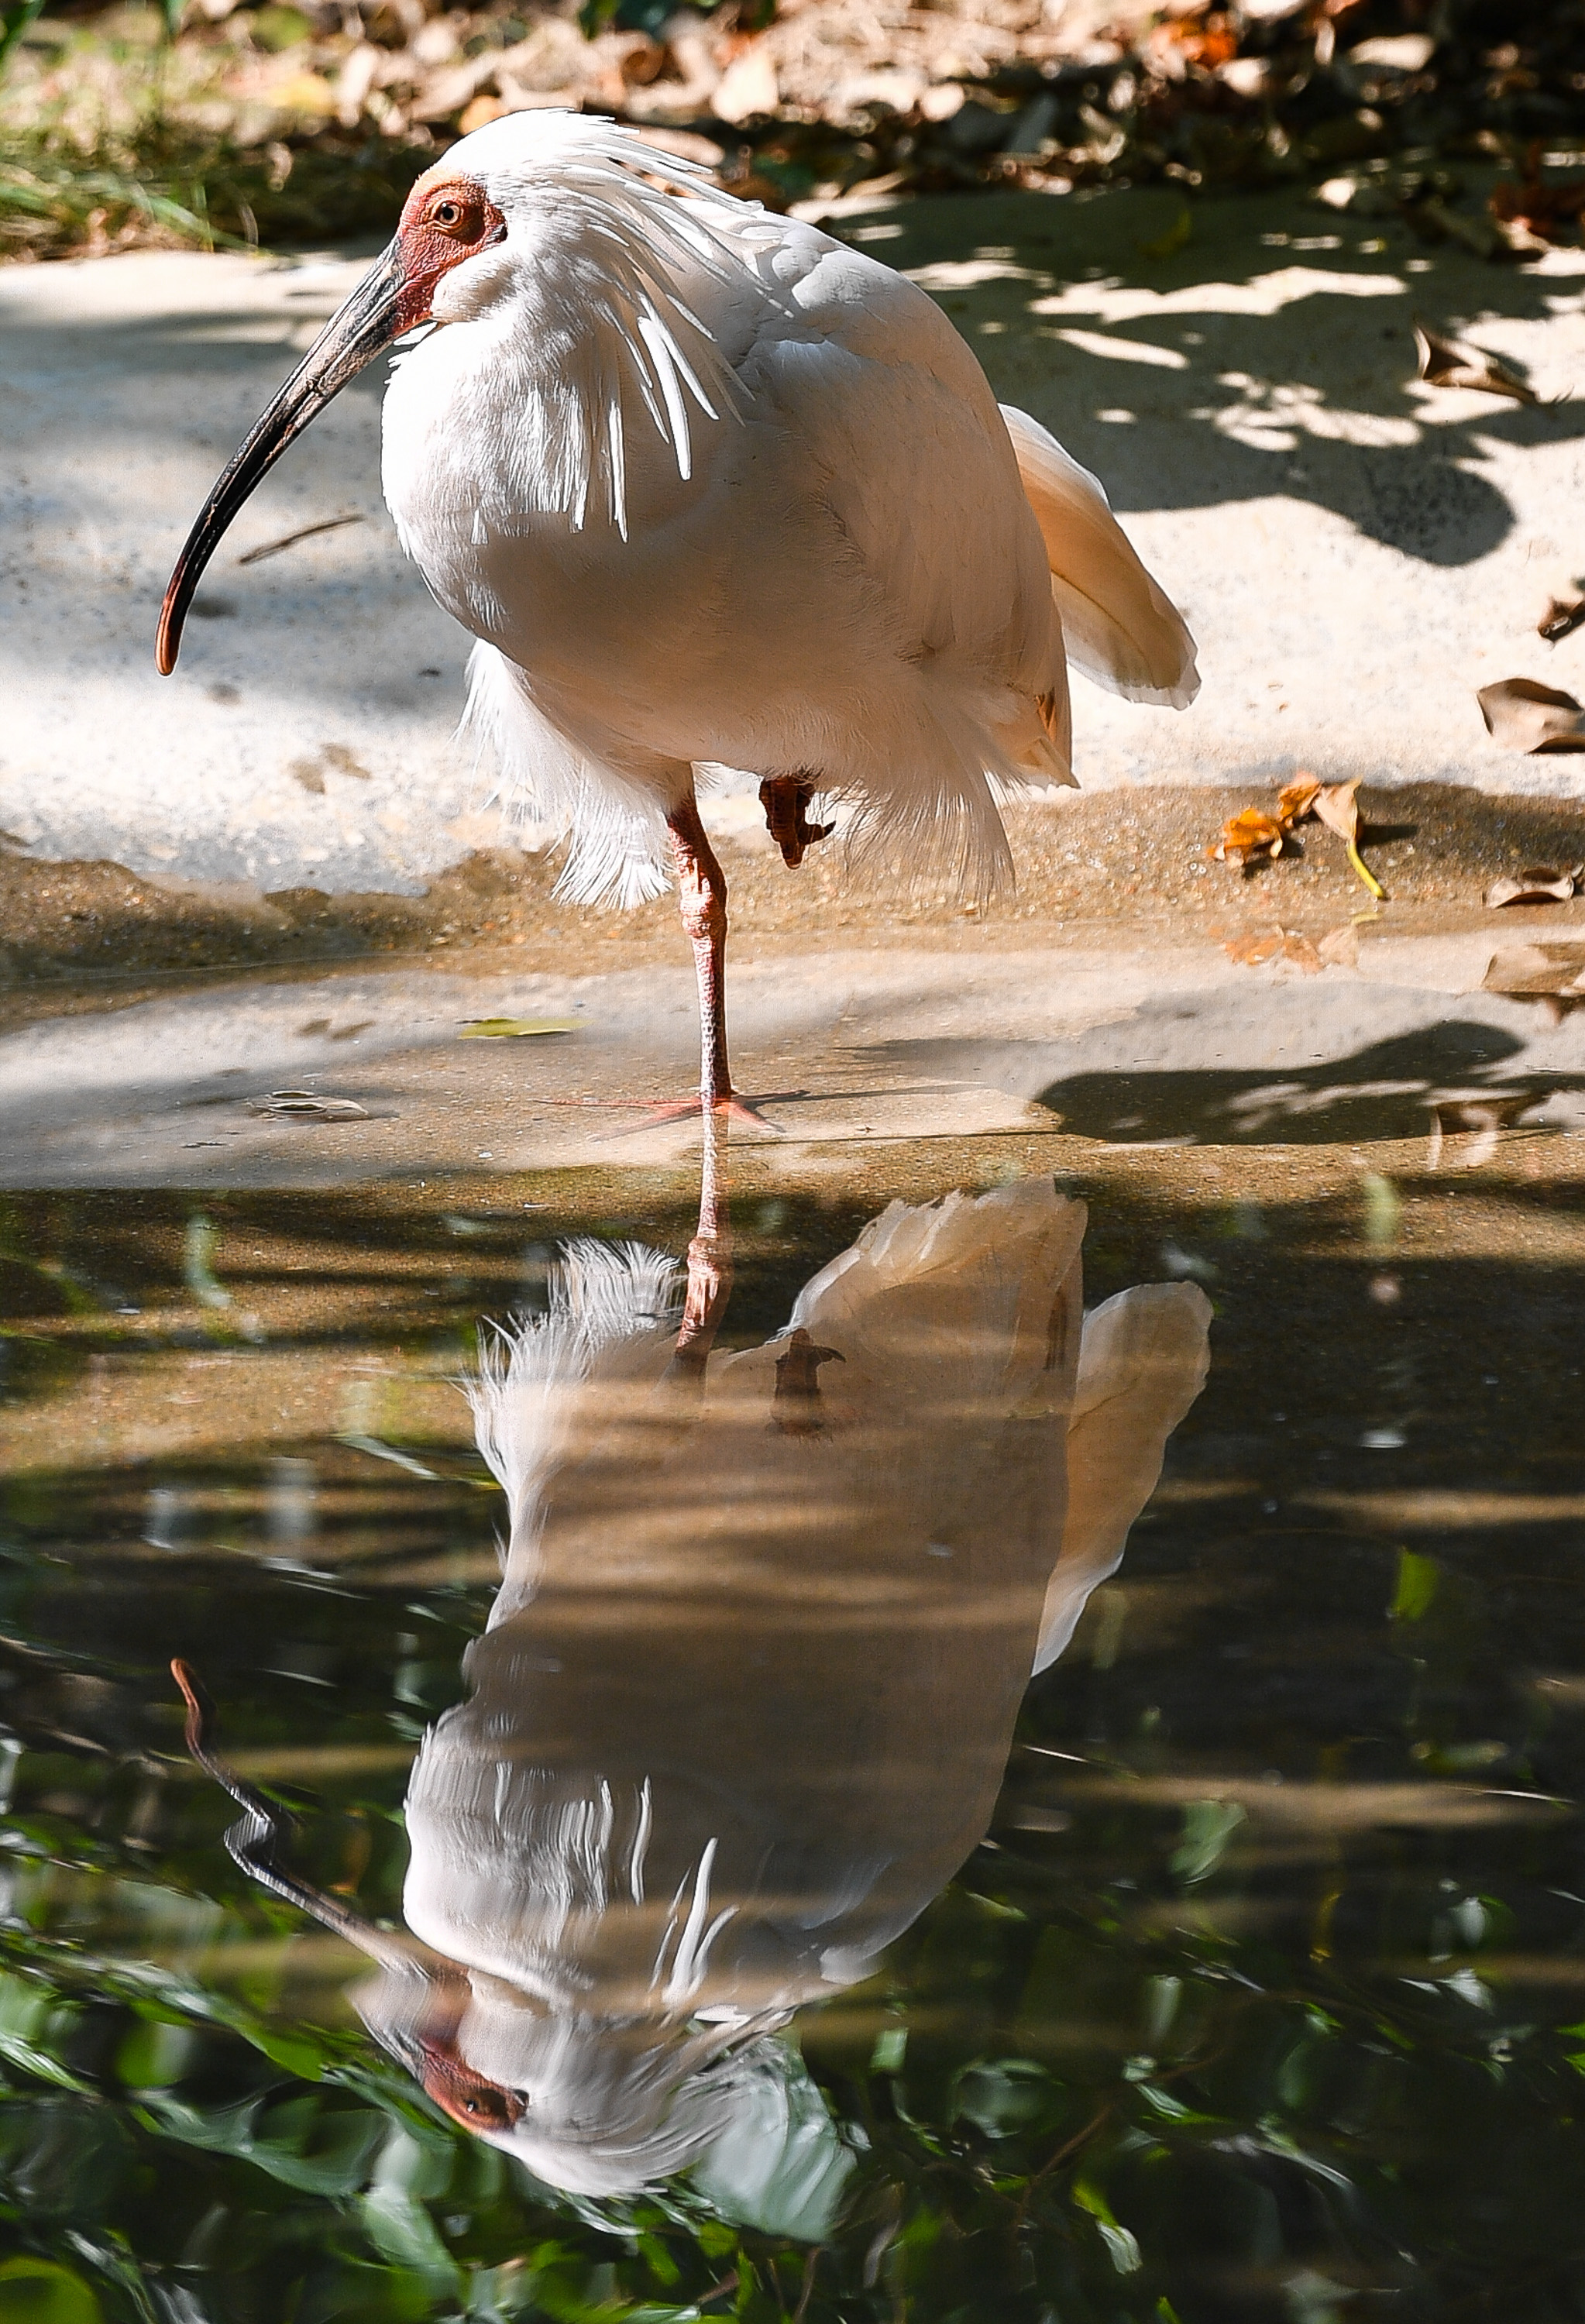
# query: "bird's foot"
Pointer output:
{"type": "Point", "coordinates": [742, 1111]}
{"type": "Point", "coordinates": [785, 799]}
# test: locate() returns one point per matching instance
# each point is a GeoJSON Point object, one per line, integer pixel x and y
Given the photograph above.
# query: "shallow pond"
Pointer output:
{"type": "Point", "coordinates": [771, 1945]}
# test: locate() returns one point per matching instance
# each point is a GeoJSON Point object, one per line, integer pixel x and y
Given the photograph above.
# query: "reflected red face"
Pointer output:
{"type": "Point", "coordinates": [466, 2097]}
{"type": "Point", "coordinates": [444, 220]}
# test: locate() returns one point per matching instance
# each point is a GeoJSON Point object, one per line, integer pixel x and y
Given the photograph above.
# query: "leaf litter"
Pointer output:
{"type": "Point", "coordinates": [1552, 976]}
{"type": "Point", "coordinates": [515, 1028]}
{"type": "Point", "coordinates": [308, 1105]}
{"type": "Point", "coordinates": [1451, 363]}
{"type": "Point", "coordinates": [1563, 616]}
{"type": "Point", "coordinates": [1257, 833]}
{"type": "Point", "coordinates": [1522, 714]}
{"type": "Point", "coordinates": [1542, 883]}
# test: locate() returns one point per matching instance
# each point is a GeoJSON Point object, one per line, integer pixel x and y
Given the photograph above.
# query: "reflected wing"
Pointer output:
{"type": "Point", "coordinates": [1142, 1362]}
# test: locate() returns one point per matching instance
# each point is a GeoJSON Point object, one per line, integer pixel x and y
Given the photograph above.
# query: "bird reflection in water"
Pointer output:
{"type": "Point", "coordinates": [748, 1686]}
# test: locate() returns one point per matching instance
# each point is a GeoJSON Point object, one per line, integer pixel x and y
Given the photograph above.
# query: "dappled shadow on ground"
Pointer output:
{"type": "Point", "coordinates": [1272, 355]}
{"type": "Point", "coordinates": [1382, 1090]}
{"type": "Point", "coordinates": [1270, 1066]}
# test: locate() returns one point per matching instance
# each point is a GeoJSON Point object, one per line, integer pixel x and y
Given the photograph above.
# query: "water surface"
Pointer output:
{"type": "Point", "coordinates": [1248, 1982]}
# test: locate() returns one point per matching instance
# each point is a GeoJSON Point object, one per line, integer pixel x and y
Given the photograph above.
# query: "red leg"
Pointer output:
{"type": "Point", "coordinates": [709, 1258]}
{"type": "Point", "coordinates": [702, 894]}
{"type": "Point", "coordinates": [701, 885]}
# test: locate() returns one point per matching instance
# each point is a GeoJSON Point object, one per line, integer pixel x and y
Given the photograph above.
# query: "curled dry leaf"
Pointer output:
{"type": "Point", "coordinates": [1552, 976]}
{"type": "Point", "coordinates": [1289, 944]}
{"type": "Point", "coordinates": [1522, 715]}
{"type": "Point", "coordinates": [1486, 1116]}
{"type": "Point", "coordinates": [1245, 836]}
{"type": "Point", "coordinates": [1295, 799]}
{"type": "Point", "coordinates": [1449, 363]}
{"type": "Point", "coordinates": [1542, 883]}
{"type": "Point", "coordinates": [308, 1105]}
{"type": "Point", "coordinates": [1337, 805]}
{"type": "Point", "coordinates": [1563, 616]}
{"type": "Point", "coordinates": [514, 1028]}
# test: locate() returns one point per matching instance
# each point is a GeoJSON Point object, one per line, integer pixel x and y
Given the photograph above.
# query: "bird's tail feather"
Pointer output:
{"type": "Point", "coordinates": [1122, 630]}
{"type": "Point", "coordinates": [613, 1310]}
{"type": "Point", "coordinates": [1009, 1257]}
{"type": "Point", "coordinates": [929, 816]}
{"type": "Point", "coordinates": [1142, 1361]}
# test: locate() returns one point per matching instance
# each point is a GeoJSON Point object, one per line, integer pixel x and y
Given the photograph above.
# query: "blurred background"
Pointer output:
{"type": "Point", "coordinates": [229, 123]}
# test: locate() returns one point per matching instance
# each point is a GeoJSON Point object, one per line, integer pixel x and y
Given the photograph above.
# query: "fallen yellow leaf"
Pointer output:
{"type": "Point", "coordinates": [515, 1028]}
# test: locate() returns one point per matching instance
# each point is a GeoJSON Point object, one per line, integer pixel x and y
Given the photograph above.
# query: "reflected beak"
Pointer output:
{"type": "Point", "coordinates": [379, 311]}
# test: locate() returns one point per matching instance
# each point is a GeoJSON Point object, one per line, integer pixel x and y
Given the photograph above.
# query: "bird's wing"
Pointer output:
{"type": "Point", "coordinates": [1121, 628]}
{"type": "Point", "coordinates": [895, 424]}
{"type": "Point", "coordinates": [1142, 1362]}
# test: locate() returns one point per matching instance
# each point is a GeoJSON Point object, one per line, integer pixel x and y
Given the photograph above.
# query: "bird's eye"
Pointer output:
{"type": "Point", "coordinates": [446, 214]}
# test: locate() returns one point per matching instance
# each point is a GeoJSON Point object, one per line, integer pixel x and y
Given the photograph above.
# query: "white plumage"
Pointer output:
{"type": "Point", "coordinates": [714, 491]}
{"type": "Point", "coordinates": [713, 488]}
{"type": "Point", "coordinates": [746, 1695]}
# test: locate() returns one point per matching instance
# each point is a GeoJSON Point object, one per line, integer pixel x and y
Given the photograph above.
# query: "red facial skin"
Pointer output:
{"type": "Point", "coordinates": [444, 220]}
{"type": "Point", "coordinates": [470, 2099]}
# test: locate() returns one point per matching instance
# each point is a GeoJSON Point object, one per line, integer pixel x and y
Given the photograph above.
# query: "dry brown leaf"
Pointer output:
{"type": "Point", "coordinates": [1541, 209]}
{"type": "Point", "coordinates": [1295, 799]}
{"type": "Point", "coordinates": [1448, 363]}
{"type": "Point", "coordinates": [308, 1105]}
{"type": "Point", "coordinates": [1552, 976]}
{"type": "Point", "coordinates": [1539, 883]}
{"type": "Point", "coordinates": [1339, 947]}
{"type": "Point", "coordinates": [1337, 807]}
{"type": "Point", "coordinates": [1290, 945]}
{"type": "Point", "coordinates": [1243, 836]}
{"type": "Point", "coordinates": [1254, 951]}
{"type": "Point", "coordinates": [1562, 615]}
{"type": "Point", "coordinates": [1484, 1115]}
{"type": "Point", "coordinates": [1301, 954]}
{"type": "Point", "coordinates": [1525, 971]}
{"type": "Point", "coordinates": [1521, 714]}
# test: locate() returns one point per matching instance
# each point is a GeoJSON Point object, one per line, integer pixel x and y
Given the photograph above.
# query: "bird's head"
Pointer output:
{"type": "Point", "coordinates": [449, 222]}
{"type": "Point", "coordinates": [471, 227]}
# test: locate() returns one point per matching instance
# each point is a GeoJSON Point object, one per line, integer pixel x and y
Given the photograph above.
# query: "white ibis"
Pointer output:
{"type": "Point", "coordinates": [714, 490]}
{"type": "Point", "coordinates": [746, 1695]}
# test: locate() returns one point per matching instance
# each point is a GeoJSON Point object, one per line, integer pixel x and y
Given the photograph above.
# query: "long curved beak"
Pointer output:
{"type": "Point", "coordinates": [255, 1842]}
{"type": "Point", "coordinates": [377, 312]}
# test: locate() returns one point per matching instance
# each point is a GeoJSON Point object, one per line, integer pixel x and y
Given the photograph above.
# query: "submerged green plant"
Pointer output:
{"type": "Point", "coordinates": [15, 17]}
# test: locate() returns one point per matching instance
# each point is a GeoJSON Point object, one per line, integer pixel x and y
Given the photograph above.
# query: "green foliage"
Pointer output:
{"type": "Point", "coordinates": [1415, 1587]}
{"type": "Point", "coordinates": [42, 2291]}
{"type": "Point", "coordinates": [15, 17]}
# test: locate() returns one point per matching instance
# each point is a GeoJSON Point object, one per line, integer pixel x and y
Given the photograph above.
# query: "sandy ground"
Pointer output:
{"type": "Point", "coordinates": [1355, 552]}
{"type": "Point", "coordinates": [268, 873]}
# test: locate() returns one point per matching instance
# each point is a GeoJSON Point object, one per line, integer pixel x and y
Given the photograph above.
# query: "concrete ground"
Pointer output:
{"type": "Point", "coordinates": [271, 871]}
{"type": "Point", "coordinates": [1355, 552]}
